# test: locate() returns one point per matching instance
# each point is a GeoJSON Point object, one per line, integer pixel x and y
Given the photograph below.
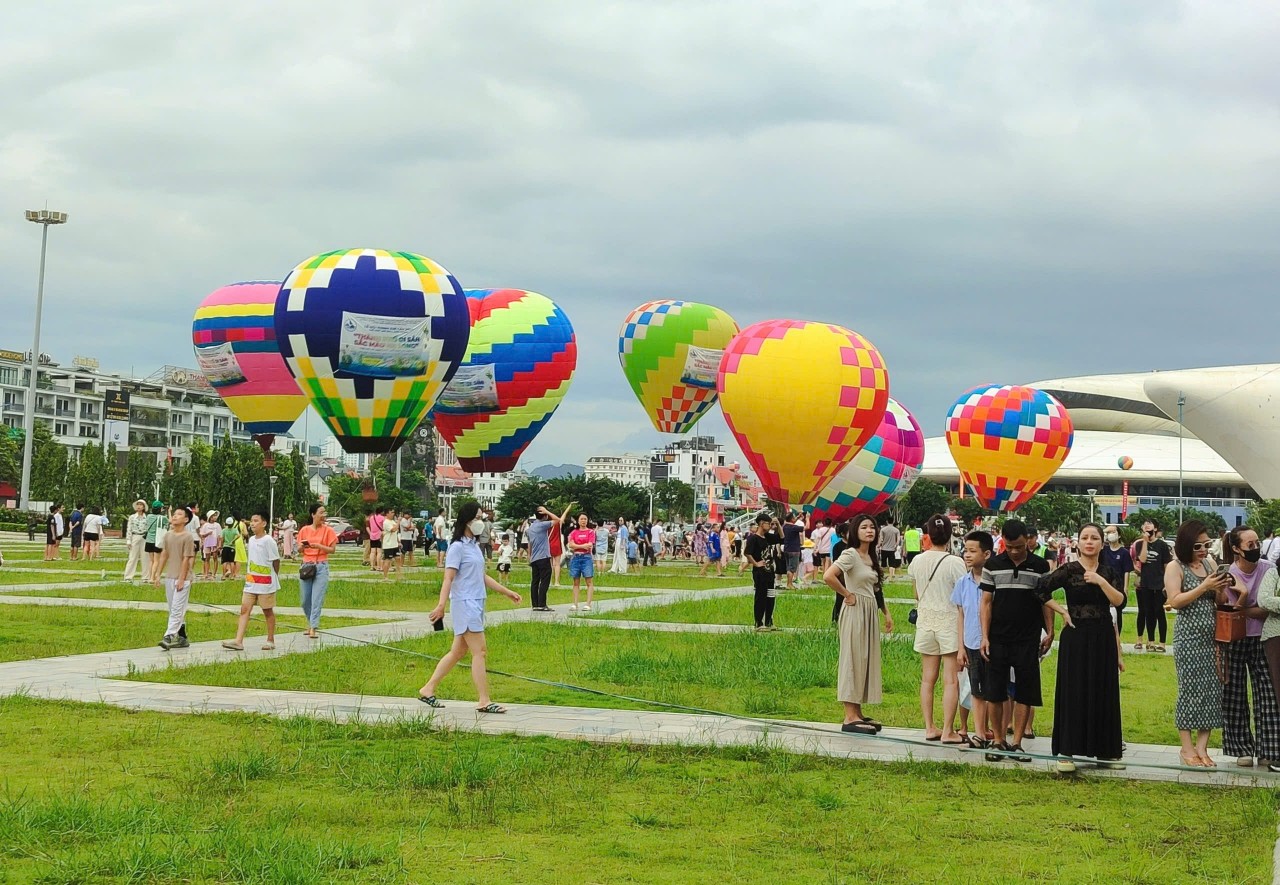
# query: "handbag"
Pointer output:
{"type": "Point", "coordinates": [307, 571]}
{"type": "Point", "coordinates": [1228, 624]}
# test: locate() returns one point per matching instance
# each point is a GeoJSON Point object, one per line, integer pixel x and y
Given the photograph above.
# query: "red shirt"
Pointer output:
{"type": "Point", "coordinates": [556, 541]}
{"type": "Point", "coordinates": [324, 535]}
{"type": "Point", "coordinates": [582, 537]}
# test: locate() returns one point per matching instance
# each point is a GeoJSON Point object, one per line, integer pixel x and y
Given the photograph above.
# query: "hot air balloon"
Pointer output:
{"type": "Point", "coordinates": [234, 334]}
{"type": "Point", "coordinates": [1008, 441]}
{"type": "Point", "coordinates": [801, 398]}
{"type": "Point", "coordinates": [884, 468]}
{"type": "Point", "coordinates": [518, 367]}
{"type": "Point", "coordinates": [670, 352]}
{"type": "Point", "coordinates": [372, 337]}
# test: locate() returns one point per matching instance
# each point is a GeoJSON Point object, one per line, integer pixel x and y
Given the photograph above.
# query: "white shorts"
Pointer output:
{"type": "Point", "coordinates": [468, 616]}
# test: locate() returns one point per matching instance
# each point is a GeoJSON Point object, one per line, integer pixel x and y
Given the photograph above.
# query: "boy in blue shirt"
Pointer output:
{"type": "Point", "coordinates": [967, 597]}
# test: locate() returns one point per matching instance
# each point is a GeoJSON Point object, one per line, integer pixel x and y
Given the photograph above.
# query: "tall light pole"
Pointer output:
{"type": "Point", "coordinates": [1092, 493]}
{"type": "Point", "coordinates": [44, 218]}
{"type": "Point", "coordinates": [271, 512]}
{"type": "Point", "coordinates": [1182, 401]}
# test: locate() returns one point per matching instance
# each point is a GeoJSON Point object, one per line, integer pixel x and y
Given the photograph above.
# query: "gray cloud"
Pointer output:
{"type": "Point", "coordinates": [993, 192]}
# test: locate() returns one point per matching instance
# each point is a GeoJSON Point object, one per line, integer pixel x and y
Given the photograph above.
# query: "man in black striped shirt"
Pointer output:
{"type": "Point", "coordinates": [1014, 612]}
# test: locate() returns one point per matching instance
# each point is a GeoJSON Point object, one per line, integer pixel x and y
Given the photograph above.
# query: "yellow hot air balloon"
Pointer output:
{"type": "Point", "coordinates": [802, 399]}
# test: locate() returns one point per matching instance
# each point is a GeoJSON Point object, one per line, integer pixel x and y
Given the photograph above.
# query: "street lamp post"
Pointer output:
{"type": "Point", "coordinates": [271, 512]}
{"type": "Point", "coordinates": [1182, 401]}
{"type": "Point", "coordinates": [1092, 494]}
{"type": "Point", "coordinates": [44, 218]}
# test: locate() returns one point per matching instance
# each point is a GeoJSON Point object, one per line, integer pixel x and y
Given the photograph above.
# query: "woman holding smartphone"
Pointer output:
{"type": "Point", "coordinates": [1194, 586]}
{"type": "Point", "coordinates": [317, 540]}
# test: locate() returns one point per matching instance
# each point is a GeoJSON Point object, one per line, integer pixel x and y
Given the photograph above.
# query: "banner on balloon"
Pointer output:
{"type": "Point", "coordinates": [473, 389]}
{"type": "Point", "coordinates": [219, 365]}
{"type": "Point", "coordinates": [1124, 500]}
{"type": "Point", "coordinates": [384, 346]}
{"type": "Point", "coordinates": [701, 367]}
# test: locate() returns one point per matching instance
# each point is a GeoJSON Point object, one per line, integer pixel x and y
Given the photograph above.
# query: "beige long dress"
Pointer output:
{"type": "Point", "coordinates": [858, 674]}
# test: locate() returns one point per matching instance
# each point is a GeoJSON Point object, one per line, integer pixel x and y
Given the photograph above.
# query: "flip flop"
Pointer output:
{"type": "Point", "coordinates": [956, 743]}
{"type": "Point", "coordinates": [233, 646]}
{"type": "Point", "coordinates": [491, 708]}
{"type": "Point", "coordinates": [860, 727]}
{"type": "Point", "coordinates": [873, 723]}
{"type": "Point", "coordinates": [432, 701]}
{"type": "Point", "coordinates": [268, 646]}
{"type": "Point", "coordinates": [935, 738]}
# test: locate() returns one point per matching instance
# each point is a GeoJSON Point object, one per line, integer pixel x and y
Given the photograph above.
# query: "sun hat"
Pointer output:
{"type": "Point", "coordinates": [211, 514]}
{"type": "Point", "coordinates": [140, 501]}
{"type": "Point", "coordinates": [231, 520]}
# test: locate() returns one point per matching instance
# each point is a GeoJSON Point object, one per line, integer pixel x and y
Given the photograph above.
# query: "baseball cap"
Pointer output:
{"type": "Point", "coordinates": [157, 503]}
{"type": "Point", "coordinates": [231, 520]}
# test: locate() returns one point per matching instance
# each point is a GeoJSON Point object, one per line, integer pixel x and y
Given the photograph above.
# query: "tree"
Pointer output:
{"type": "Point", "coordinates": [522, 499]}
{"type": "Point", "coordinates": [49, 464]}
{"type": "Point", "coordinates": [968, 509]}
{"type": "Point", "coordinates": [1263, 516]}
{"type": "Point", "coordinates": [924, 499]}
{"type": "Point", "coordinates": [1055, 511]}
{"type": "Point", "coordinates": [10, 454]}
{"type": "Point", "coordinates": [672, 498]}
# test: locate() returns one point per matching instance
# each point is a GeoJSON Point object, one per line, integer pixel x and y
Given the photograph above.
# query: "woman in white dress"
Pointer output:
{"type": "Point", "coordinates": [619, 566]}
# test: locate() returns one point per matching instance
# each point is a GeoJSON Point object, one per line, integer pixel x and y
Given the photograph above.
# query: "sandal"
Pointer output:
{"type": "Point", "coordinates": [1138, 646]}
{"type": "Point", "coordinates": [935, 738]}
{"type": "Point", "coordinates": [432, 701]}
{"type": "Point", "coordinates": [1207, 761]}
{"type": "Point", "coordinates": [232, 646]}
{"type": "Point", "coordinates": [1192, 761]}
{"type": "Point", "coordinates": [958, 742]}
{"type": "Point", "coordinates": [491, 708]}
{"type": "Point", "coordinates": [858, 727]}
{"type": "Point", "coordinates": [268, 646]}
{"type": "Point", "coordinates": [977, 743]}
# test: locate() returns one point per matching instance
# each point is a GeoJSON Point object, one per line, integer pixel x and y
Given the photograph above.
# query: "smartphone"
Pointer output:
{"type": "Point", "coordinates": [1223, 571]}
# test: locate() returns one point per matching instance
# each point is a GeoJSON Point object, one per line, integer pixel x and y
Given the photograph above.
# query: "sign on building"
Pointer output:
{"type": "Point", "coordinates": [115, 419]}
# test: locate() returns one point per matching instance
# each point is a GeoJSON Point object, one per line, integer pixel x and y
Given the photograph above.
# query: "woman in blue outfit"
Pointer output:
{"type": "Point", "coordinates": [465, 585]}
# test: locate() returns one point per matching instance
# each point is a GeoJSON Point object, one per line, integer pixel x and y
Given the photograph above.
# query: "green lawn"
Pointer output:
{"type": "Point", "coordinates": [38, 631]}
{"type": "Point", "coordinates": [786, 675]}
{"type": "Point", "coordinates": [94, 794]}
{"type": "Point", "coordinates": [792, 610]}
{"type": "Point", "coordinates": [417, 592]}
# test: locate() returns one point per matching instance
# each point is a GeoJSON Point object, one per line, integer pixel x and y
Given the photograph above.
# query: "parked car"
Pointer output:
{"type": "Point", "coordinates": [350, 535]}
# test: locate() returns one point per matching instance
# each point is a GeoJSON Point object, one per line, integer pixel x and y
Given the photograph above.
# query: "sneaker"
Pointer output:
{"type": "Point", "coordinates": [573, 608]}
{"type": "Point", "coordinates": [180, 641]}
{"type": "Point", "coordinates": [586, 607]}
{"type": "Point", "coordinates": [1112, 764]}
{"type": "Point", "coordinates": [1066, 766]}
{"type": "Point", "coordinates": [1274, 767]}
{"type": "Point", "coordinates": [1245, 762]}
{"type": "Point", "coordinates": [762, 629]}
{"type": "Point", "coordinates": [168, 641]}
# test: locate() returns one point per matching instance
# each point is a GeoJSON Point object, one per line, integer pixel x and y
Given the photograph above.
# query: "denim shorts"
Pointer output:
{"type": "Point", "coordinates": [581, 565]}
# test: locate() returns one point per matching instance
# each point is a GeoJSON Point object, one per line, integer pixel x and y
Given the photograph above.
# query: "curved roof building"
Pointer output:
{"type": "Point", "coordinates": [1229, 451]}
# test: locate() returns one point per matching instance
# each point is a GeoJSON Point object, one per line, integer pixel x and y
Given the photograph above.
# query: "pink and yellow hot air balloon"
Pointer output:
{"type": "Point", "coordinates": [234, 334]}
{"type": "Point", "coordinates": [884, 468]}
{"type": "Point", "coordinates": [801, 398]}
{"type": "Point", "coordinates": [1008, 441]}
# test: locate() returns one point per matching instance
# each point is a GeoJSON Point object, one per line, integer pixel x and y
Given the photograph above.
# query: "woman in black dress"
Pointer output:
{"type": "Point", "coordinates": [1086, 704]}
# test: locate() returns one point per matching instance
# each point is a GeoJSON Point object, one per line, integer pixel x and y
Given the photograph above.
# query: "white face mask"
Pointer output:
{"type": "Point", "coordinates": [1112, 537]}
{"type": "Point", "coordinates": [476, 526]}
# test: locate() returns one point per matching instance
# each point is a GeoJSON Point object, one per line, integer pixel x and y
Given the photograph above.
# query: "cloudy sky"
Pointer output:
{"type": "Point", "coordinates": [1008, 192]}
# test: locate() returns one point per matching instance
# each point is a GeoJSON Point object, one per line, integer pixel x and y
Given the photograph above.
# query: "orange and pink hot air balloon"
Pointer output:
{"type": "Point", "coordinates": [234, 334]}
{"type": "Point", "coordinates": [1008, 441]}
{"type": "Point", "coordinates": [801, 398]}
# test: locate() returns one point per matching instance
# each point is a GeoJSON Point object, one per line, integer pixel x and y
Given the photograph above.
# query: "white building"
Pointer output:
{"type": "Point", "coordinates": [628, 469]}
{"type": "Point", "coordinates": [331, 450]}
{"type": "Point", "coordinates": [161, 414]}
{"type": "Point", "coordinates": [488, 488]}
{"type": "Point", "coordinates": [690, 460]}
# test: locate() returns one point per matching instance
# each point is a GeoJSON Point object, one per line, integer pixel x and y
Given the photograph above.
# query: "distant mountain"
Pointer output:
{"type": "Point", "coordinates": [556, 471]}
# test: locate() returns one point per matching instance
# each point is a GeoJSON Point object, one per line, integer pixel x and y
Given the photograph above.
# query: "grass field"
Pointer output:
{"type": "Point", "coordinates": [792, 610]}
{"type": "Point", "coordinates": [45, 631]}
{"type": "Point", "coordinates": [407, 594]}
{"type": "Point", "coordinates": [782, 675]}
{"type": "Point", "coordinates": [226, 797]}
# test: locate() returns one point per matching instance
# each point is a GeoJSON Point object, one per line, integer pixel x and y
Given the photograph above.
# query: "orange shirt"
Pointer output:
{"type": "Point", "coordinates": [324, 535]}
